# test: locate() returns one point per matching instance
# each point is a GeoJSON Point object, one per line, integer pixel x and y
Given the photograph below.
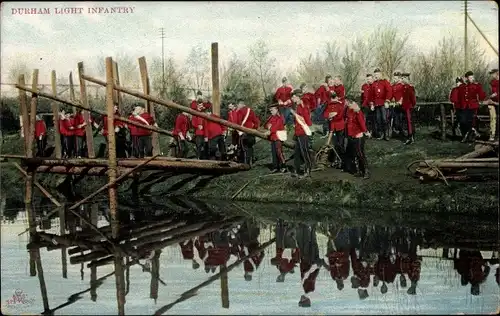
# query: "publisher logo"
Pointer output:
{"type": "Point", "coordinates": [19, 298]}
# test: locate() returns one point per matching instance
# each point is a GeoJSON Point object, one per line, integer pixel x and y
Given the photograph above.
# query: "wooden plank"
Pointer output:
{"type": "Point", "coordinates": [149, 106]}
{"type": "Point", "coordinates": [55, 113]}
{"type": "Point", "coordinates": [117, 95]}
{"type": "Point", "coordinates": [33, 103]}
{"type": "Point", "coordinates": [72, 90]}
{"type": "Point", "coordinates": [224, 286]}
{"type": "Point", "coordinates": [215, 79]}
{"type": "Point", "coordinates": [89, 137]}
{"type": "Point", "coordinates": [25, 119]}
{"type": "Point", "coordinates": [62, 231]}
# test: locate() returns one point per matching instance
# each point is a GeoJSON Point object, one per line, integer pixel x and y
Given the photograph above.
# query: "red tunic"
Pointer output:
{"type": "Point", "coordinates": [40, 129]}
{"type": "Point", "coordinates": [275, 123]}
{"type": "Point", "coordinates": [337, 123]}
{"type": "Point", "coordinates": [363, 273]}
{"type": "Point", "coordinates": [304, 112]}
{"type": "Point", "coordinates": [232, 116]}
{"type": "Point", "coordinates": [494, 89]}
{"type": "Point", "coordinates": [476, 270]}
{"type": "Point", "coordinates": [381, 91]}
{"type": "Point", "coordinates": [409, 98]}
{"type": "Point", "coordinates": [340, 91]}
{"type": "Point", "coordinates": [385, 269]}
{"type": "Point", "coordinates": [284, 94]}
{"type": "Point", "coordinates": [366, 90]}
{"type": "Point", "coordinates": [414, 270]}
{"type": "Point", "coordinates": [148, 118]}
{"type": "Point", "coordinates": [253, 261]}
{"type": "Point", "coordinates": [206, 105]}
{"type": "Point", "coordinates": [218, 255]}
{"type": "Point", "coordinates": [323, 94]}
{"type": "Point", "coordinates": [78, 121]}
{"type": "Point", "coordinates": [181, 125]}
{"type": "Point", "coordinates": [310, 282]}
{"type": "Point", "coordinates": [105, 124]}
{"type": "Point", "coordinates": [251, 122]}
{"type": "Point", "coordinates": [200, 246]}
{"type": "Point", "coordinates": [398, 91]}
{"type": "Point", "coordinates": [339, 264]}
{"type": "Point", "coordinates": [456, 99]}
{"type": "Point", "coordinates": [355, 122]}
{"type": "Point", "coordinates": [471, 94]}
{"type": "Point", "coordinates": [187, 250]}
{"type": "Point", "coordinates": [198, 125]}
{"type": "Point", "coordinates": [65, 127]}
{"type": "Point", "coordinates": [309, 100]}
{"type": "Point", "coordinates": [213, 129]}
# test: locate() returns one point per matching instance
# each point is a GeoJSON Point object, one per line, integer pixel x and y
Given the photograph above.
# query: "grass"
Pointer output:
{"type": "Point", "coordinates": [390, 188]}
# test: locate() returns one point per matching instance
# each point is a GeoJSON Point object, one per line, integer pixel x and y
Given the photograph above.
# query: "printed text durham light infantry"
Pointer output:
{"type": "Point", "coordinates": [72, 10]}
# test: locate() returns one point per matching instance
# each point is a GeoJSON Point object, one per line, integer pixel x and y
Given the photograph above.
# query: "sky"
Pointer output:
{"type": "Point", "coordinates": [438, 291]}
{"type": "Point", "coordinates": [292, 30]}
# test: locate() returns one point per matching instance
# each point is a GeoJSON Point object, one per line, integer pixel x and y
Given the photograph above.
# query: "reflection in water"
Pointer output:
{"type": "Point", "coordinates": [363, 262]}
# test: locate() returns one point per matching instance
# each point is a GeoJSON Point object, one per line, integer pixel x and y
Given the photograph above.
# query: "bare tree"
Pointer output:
{"type": "Point", "coordinates": [264, 66]}
{"type": "Point", "coordinates": [332, 57]}
{"type": "Point", "coordinates": [128, 70]}
{"type": "Point", "coordinates": [198, 68]}
{"type": "Point", "coordinates": [389, 48]}
{"type": "Point", "coordinates": [19, 67]}
{"type": "Point", "coordinates": [237, 82]}
{"type": "Point", "coordinates": [355, 61]}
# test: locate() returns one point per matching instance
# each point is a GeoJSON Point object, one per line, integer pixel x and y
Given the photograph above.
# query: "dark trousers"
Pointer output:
{"type": "Point", "coordinates": [41, 144]}
{"type": "Point", "coordinates": [370, 118]}
{"type": "Point", "coordinates": [217, 144]}
{"type": "Point", "coordinates": [409, 121]}
{"type": "Point", "coordinates": [466, 120]}
{"type": "Point", "coordinates": [338, 139]}
{"type": "Point", "coordinates": [141, 146]}
{"type": "Point", "coordinates": [456, 123]}
{"type": "Point", "coordinates": [80, 145]}
{"type": "Point", "coordinates": [181, 148]}
{"type": "Point", "coordinates": [234, 138]}
{"type": "Point", "coordinates": [201, 152]}
{"type": "Point", "coordinates": [121, 151]}
{"type": "Point", "coordinates": [301, 154]}
{"type": "Point", "coordinates": [277, 155]}
{"type": "Point", "coordinates": [67, 146]}
{"type": "Point", "coordinates": [380, 120]}
{"type": "Point", "coordinates": [397, 118]}
{"type": "Point", "coordinates": [356, 150]}
{"type": "Point", "coordinates": [247, 142]}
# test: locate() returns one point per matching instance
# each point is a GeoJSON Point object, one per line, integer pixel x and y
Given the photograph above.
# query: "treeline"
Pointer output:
{"type": "Point", "coordinates": [256, 78]}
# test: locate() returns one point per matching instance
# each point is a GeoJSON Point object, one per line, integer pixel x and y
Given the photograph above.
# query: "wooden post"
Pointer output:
{"type": "Point", "coordinates": [72, 90]}
{"type": "Point", "coordinates": [62, 231]}
{"type": "Point", "coordinates": [23, 104]}
{"type": "Point", "coordinates": [89, 137]}
{"type": "Point", "coordinates": [93, 269]}
{"type": "Point", "coordinates": [149, 106]}
{"type": "Point", "coordinates": [452, 115]}
{"type": "Point", "coordinates": [117, 95]}
{"type": "Point", "coordinates": [155, 276]}
{"type": "Point", "coordinates": [443, 121]}
{"type": "Point", "coordinates": [224, 286]}
{"type": "Point", "coordinates": [33, 103]}
{"type": "Point", "coordinates": [41, 279]}
{"type": "Point", "coordinates": [215, 79]}
{"type": "Point", "coordinates": [115, 224]}
{"type": "Point", "coordinates": [55, 113]}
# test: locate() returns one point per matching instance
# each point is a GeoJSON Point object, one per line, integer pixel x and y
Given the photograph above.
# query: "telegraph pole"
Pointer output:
{"type": "Point", "coordinates": [465, 38]}
{"type": "Point", "coordinates": [162, 35]}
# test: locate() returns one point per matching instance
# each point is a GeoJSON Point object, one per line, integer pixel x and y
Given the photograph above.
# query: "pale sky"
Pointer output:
{"type": "Point", "coordinates": [292, 30]}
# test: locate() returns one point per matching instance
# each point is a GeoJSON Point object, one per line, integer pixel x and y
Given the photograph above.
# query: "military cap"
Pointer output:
{"type": "Point", "coordinates": [493, 71]}
{"type": "Point", "coordinates": [274, 105]}
{"type": "Point", "coordinates": [302, 85]}
{"type": "Point", "coordinates": [398, 74]}
{"type": "Point", "coordinates": [297, 92]}
{"type": "Point", "coordinates": [376, 70]}
{"type": "Point", "coordinates": [283, 80]}
{"type": "Point", "coordinates": [459, 79]}
{"type": "Point", "coordinates": [469, 73]}
{"type": "Point", "coordinates": [328, 77]}
{"type": "Point", "coordinates": [405, 75]}
{"type": "Point", "coordinates": [368, 75]}
{"type": "Point", "coordinates": [199, 93]}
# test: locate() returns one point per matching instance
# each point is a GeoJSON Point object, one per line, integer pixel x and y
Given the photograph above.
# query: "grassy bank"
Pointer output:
{"type": "Point", "coordinates": [390, 187]}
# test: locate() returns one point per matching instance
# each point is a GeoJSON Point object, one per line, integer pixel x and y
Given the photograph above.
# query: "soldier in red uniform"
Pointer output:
{"type": "Point", "coordinates": [472, 93]}
{"type": "Point", "coordinates": [284, 99]}
{"type": "Point", "coordinates": [66, 131]}
{"type": "Point", "coordinates": [205, 104]}
{"type": "Point", "coordinates": [339, 88]}
{"type": "Point", "coordinates": [40, 136]}
{"type": "Point", "coordinates": [385, 270]}
{"type": "Point", "coordinates": [335, 114]}
{"type": "Point", "coordinates": [302, 133]}
{"type": "Point", "coordinates": [232, 116]}
{"type": "Point", "coordinates": [457, 105]}
{"type": "Point", "coordinates": [396, 113]}
{"type": "Point", "coordinates": [215, 137]}
{"type": "Point", "coordinates": [145, 143]}
{"type": "Point", "coordinates": [247, 238]}
{"type": "Point", "coordinates": [247, 118]}
{"type": "Point", "coordinates": [276, 123]}
{"type": "Point", "coordinates": [219, 250]}
{"type": "Point", "coordinates": [478, 271]}
{"type": "Point", "coordinates": [118, 125]}
{"type": "Point", "coordinates": [356, 130]}
{"type": "Point", "coordinates": [181, 134]}
{"type": "Point", "coordinates": [309, 99]}
{"type": "Point", "coordinates": [408, 104]}
{"type": "Point", "coordinates": [361, 278]}
{"type": "Point", "coordinates": [285, 240]}
{"type": "Point", "coordinates": [322, 95]}
{"type": "Point", "coordinates": [366, 90]}
{"type": "Point", "coordinates": [493, 104]}
{"type": "Point", "coordinates": [198, 124]}
{"type": "Point", "coordinates": [338, 256]}
{"type": "Point", "coordinates": [379, 102]}
{"type": "Point", "coordinates": [310, 262]}
{"type": "Point", "coordinates": [79, 132]}
{"type": "Point", "coordinates": [187, 250]}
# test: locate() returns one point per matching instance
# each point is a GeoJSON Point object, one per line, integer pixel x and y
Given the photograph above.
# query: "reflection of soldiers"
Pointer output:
{"type": "Point", "coordinates": [310, 262]}
{"type": "Point", "coordinates": [407, 260]}
{"type": "Point", "coordinates": [478, 271]}
{"type": "Point", "coordinates": [285, 239]}
{"type": "Point", "coordinates": [497, 276]}
{"type": "Point", "coordinates": [248, 242]}
{"type": "Point", "coordinates": [187, 249]}
{"type": "Point", "coordinates": [339, 245]}
{"type": "Point", "coordinates": [361, 278]}
{"type": "Point", "coordinates": [217, 249]}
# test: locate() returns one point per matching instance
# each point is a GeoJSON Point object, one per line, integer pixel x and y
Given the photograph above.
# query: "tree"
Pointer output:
{"type": "Point", "coordinates": [389, 48]}
{"type": "Point", "coordinates": [264, 66]}
{"type": "Point", "coordinates": [198, 68]}
{"type": "Point", "coordinates": [355, 61]}
{"type": "Point", "coordinates": [311, 70]}
{"type": "Point", "coordinates": [237, 82]}
{"type": "Point", "coordinates": [128, 70]}
{"type": "Point", "coordinates": [19, 67]}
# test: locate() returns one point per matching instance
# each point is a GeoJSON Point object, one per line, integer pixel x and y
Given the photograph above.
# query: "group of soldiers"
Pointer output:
{"type": "Point", "coordinates": [366, 256]}
{"type": "Point", "coordinates": [466, 98]}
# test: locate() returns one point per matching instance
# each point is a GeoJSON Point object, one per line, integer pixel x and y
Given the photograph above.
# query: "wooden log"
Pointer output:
{"type": "Point", "coordinates": [62, 231]}
{"type": "Point", "coordinates": [72, 90]}
{"type": "Point", "coordinates": [117, 96]}
{"type": "Point", "coordinates": [33, 103]}
{"type": "Point", "coordinates": [88, 257]}
{"type": "Point", "coordinates": [170, 104]}
{"type": "Point", "coordinates": [224, 286]}
{"type": "Point", "coordinates": [101, 262]}
{"type": "Point", "coordinates": [39, 186]}
{"type": "Point", "coordinates": [23, 109]}
{"type": "Point", "coordinates": [488, 143]}
{"type": "Point", "coordinates": [70, 240]}
{"type": "Point", "coordinates": [215, 79]}
{"type": "Point", "coordinates": [55, 116]}
{"type": "Point", "coordinates": [454, 165]}
{"type": "Point", "coordinates": [149, 106]}
{"type": "Point", "coordinates": [41, 280]}
{"type": "Point", "coordinates": [94, 171]}
{"type": "Point", "coordinates": [481, 150]}
{"type": "Point", "coordinates": [80, 106]}
{"type": "Point", "coordinates": [155, 237]}
{"type": "Point", "coordinates": [155, 275]}
{"type": "Point", "coordinates": [86, 114]}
